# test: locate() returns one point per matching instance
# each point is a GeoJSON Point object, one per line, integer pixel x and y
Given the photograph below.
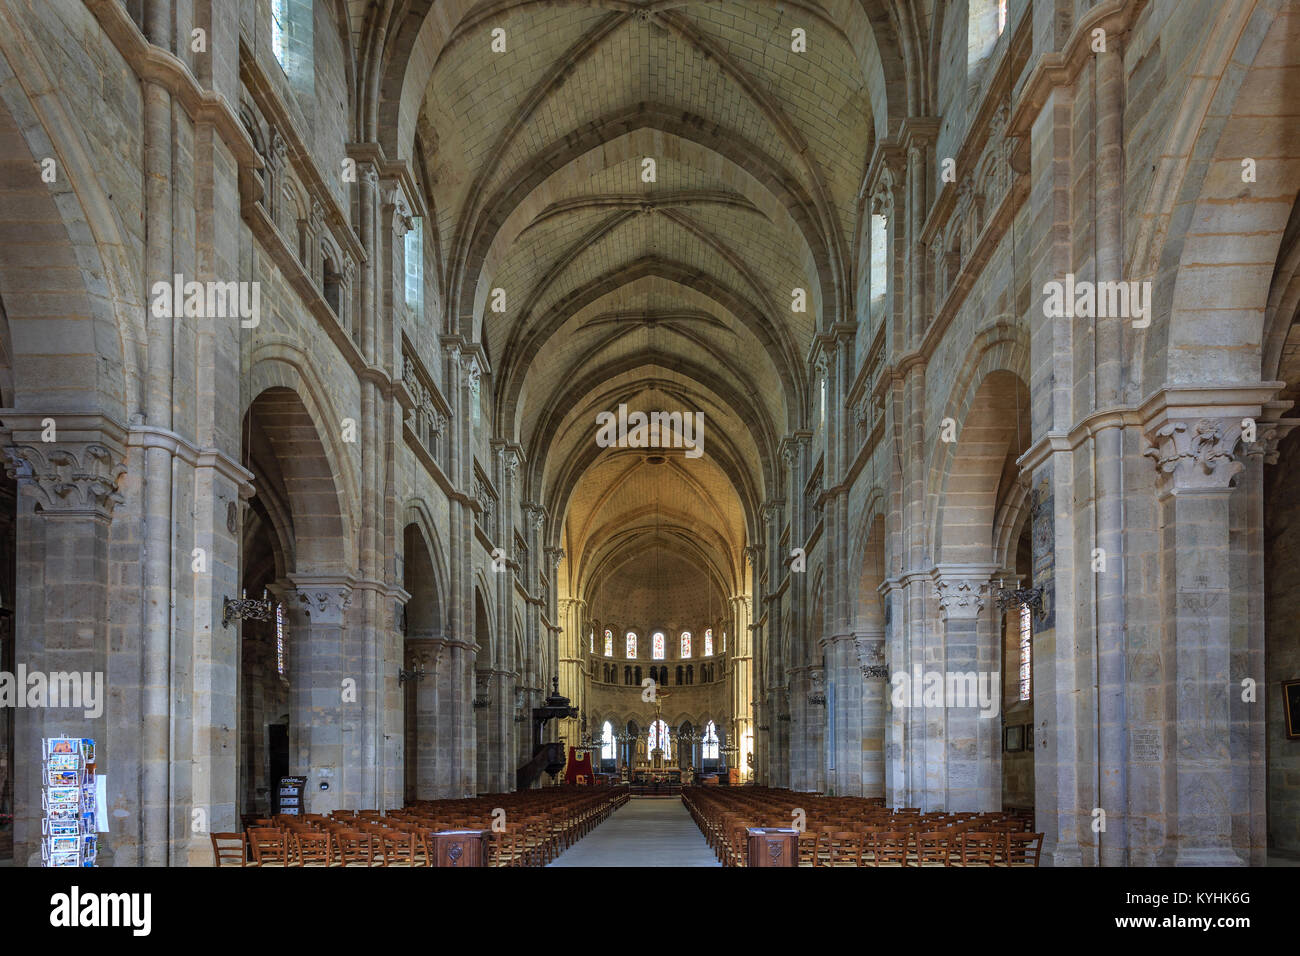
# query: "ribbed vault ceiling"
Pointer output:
{"type": "Point", "coordinates": [669, 295]}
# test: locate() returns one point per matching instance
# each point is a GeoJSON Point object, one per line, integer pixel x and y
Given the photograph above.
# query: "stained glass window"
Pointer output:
{"type": "Point", "coordinates": [1026, 651]}
{"type": "Point", "coordinates": [609, 643]}
{"type": "Point", "coordinates": [607, 742]}
{"type": "Point", "coordinates": [686, 643]}
{"type": "Point", "coordinates": [657, 647]}
{"type": "Point", "coordinates": [279, 639]}
{"type": "Point", "coordinates": [659, 737]}
{"type": "Point", "coordinates": [710, 741]}
{"type": "Point", "coordinates": [631, 644]}
{"type": "Point", "coordinates": [708, 642]}
{"type": "Point", "coordinates": [724, 642]}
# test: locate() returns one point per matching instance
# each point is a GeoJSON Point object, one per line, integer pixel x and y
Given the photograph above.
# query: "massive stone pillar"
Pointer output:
{"type": "Point", "coordinates": [740, 659]}
{"type": "Point", "coordinates": [1194, 436]}
{"type": "Point", "coordinates": [969, 666]}
{"type": "Point", "coordinates": [863, 693]}
{"type": "Point", "coordinates": [67, 495]}
{"type": "Point", "coordinates": [327, 695]}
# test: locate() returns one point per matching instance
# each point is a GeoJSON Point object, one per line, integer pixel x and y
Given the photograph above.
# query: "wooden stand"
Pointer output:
{"type": "Point", "coordinates": [773, 846]}
{"type": "Point", "coordinates": [464, 848]}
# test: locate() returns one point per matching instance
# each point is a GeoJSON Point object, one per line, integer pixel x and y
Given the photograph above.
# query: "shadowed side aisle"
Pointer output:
{"type": "Point", "coordinates": [647, 831]}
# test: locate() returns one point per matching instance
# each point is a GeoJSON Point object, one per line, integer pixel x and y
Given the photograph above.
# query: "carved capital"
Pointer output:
{"type": "Point", "coordinates": [403, 220]}
{"type": "Point", "coordinates": [553, 557]}
{"type": "Point", "coordinates": [469, 365]}
{"type": "Point", "coordinates": [1268, 436]}
{"type": "Point", "coordinates": [510, 461]}
{"type": "Point", "coordinates": [325, 604]}
{"type": "Point", "coordinates": [962, 590]}
{"type": "Point", "coordinates": [279, 151]}
{"type": "Point", "coordinates": [882, 193]}
{"type": "Point", "coordinates": [68, 478]}
{"type": "Point", "coordinates": [1196, 454]}
{"type": "Point", "coordinates": [871, 656]}
{"type": "Point", "coordinates": [537, 515]}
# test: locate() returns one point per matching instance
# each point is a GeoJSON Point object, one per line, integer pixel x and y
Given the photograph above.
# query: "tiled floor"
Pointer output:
{"type": "Point", "coordinates": [647, 831]}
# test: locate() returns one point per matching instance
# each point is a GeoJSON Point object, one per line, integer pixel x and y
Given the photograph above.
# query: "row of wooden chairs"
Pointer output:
{"type": "Point", "coordinates": [525, 829]}
{"type": "Point", "coordinates": [845, 831]}
{"type": "Point", "coordinates": [999, 848]}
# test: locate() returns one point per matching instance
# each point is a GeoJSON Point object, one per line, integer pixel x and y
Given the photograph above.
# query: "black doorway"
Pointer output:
{"type": "Point", "coordinates": [278, 751]}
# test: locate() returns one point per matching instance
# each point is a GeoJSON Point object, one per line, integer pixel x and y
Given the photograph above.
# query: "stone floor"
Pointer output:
{"type": "Point", "coordinates": [647, 831]}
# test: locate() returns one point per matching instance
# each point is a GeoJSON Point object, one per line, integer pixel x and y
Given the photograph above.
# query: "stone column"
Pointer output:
{"type": "Point", "coordinates": [67, 492]}
{"type": "Point", "coordinates": [969, 664]}
{"type": "Point", "coordinates": [424, 654]}
{"type": "Point", "coordinates": [326, 696]}
{"type": "Point", "coordinates": [740, 658]}
{"type": "Point", "coordinates": [867, 699]}
{"type": "Point", "coordinates": [1194, 450]}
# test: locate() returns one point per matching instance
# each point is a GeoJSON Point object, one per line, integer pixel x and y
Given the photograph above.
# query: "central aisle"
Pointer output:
{"type": "Point", "coordinates": [647, 831]}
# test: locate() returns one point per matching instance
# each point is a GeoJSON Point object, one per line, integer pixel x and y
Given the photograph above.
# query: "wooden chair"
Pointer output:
{"type": "Point", "coordinates": [269, 847]}
{"type": "Point", "coordinates": [982, 847]}
{"type": "Point", "coordinates": [808, 848]}
{"type": "Point", "coordinates": [845, 848]}
{"type": "Point", "coordinates": [891, 848]}
{"type": "Point", "coordinates": [934, 848]}
{"type": "Point", "coordinates": [313, 848]}
{"type": "Point", "coordinates": [1023, 849]}
{"type": "Point", "coordinates": [358, 848]}
{"type": "Point", "coordinates": [230, 849]}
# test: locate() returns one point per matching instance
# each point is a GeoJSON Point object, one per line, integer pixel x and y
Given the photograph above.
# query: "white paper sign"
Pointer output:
{"type": "Point", "coordinates": [101, 803]}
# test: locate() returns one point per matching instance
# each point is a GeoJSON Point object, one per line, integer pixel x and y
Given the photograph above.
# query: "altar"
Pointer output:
{"type": "Point", "coordinates": [648, 781]}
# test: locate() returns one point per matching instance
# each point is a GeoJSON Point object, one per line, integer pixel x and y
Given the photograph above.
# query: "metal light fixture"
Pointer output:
{"type": "Point", "coordinates": [247, 609]}
{"type": "Point", "coordinates": [1015, 597]}
{"type": "Point", "coordinates": [404, 675]}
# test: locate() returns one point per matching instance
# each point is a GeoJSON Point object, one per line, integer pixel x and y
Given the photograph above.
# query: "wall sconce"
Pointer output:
{"type": "Point", "coordinates": [247, 609]}
{"type": "Point", "coordinates": [1015, 597]}
{"type": "Point", "coordinates": [404, 675]}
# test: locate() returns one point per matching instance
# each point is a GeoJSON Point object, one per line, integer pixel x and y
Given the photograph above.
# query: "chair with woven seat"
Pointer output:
{"type": "Point", "coordinates": [1023, 849]}
{"type": "Point", "coordinates": [982, 847]}
{"type": "Point", "coordinates": [312, 848]}
{"type": "Point", "coordinates": [891, 848]}
{"type": "Point", "coordinates": [808, 848]}
{"type": "Point", "coordinates": [845, 848]}
{"type": "Point", "coordinates": [358, 848]}
{"type": "Point", "coordinates": [934, 848]}
{"type": "Point", "coordinates": [269, 847]}
{"type": "Point", "coordinates": [229, 849]}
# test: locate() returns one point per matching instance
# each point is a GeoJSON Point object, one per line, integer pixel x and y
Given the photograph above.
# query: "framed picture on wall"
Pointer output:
{"type": "Point", "coordinates": [1015, 738]}
{"type": "Point", "coordinates": [1291, 707]}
